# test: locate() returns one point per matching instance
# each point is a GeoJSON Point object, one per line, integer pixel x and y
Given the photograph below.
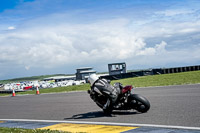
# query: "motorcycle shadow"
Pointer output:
{"type": "Point", "coordinates": [99, 114]}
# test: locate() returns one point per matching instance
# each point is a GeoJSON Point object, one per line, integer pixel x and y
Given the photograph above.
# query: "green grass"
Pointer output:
{"type": "Point", "coordinates": [20, 130]}
{"type": "Point", "coordinates": [192, 77]}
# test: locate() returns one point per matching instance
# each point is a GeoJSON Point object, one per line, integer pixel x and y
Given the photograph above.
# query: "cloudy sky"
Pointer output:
{"type": "Point", "coordinates": [40, 37]}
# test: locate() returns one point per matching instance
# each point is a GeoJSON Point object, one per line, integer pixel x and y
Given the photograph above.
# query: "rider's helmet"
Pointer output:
{"type": "Point", "coordinates": [92, 78]}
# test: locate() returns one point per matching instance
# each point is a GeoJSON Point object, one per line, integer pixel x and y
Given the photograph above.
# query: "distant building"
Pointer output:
{"type": "Point", "coordinates": [117, 68]}
{"type": "Point", "coordinates": [83, 73]}
{"type": "Point", "coordinates": [60, 78]}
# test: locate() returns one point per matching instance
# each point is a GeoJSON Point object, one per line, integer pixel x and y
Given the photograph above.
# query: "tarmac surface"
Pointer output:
{"type": "Point", "coordinates": [170, 106]}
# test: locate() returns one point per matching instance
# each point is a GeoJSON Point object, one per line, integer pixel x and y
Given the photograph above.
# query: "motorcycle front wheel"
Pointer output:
{"type": "Point", "coordinates": [107, 111]}
{"type": "Point", "coordinates": [139, 103]}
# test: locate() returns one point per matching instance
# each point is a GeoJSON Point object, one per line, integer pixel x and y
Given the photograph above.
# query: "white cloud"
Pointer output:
{"type": "Point", "coordinates": [167, 28]}
{"type": "Point", "coordinates": [11, 28]}
{"type": "Point", "coordinates": [37, 44]}
{"type": "Point", "coordinates": [72, 44]}
{"type": "Point", "coordinates": [174, 12]}
{"type": "Point", "coordinates": [27, 67]}
{"type": "Point", "coordinates": [158, 49]}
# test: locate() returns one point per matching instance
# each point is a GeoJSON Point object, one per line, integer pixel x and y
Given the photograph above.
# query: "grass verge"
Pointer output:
{"type": "Point", "coordinates": [192, 77]}
{"type": "Point", "coordinates": [21, 130]}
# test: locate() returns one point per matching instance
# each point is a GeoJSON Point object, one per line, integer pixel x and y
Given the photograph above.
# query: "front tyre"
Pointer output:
{"type": "Point", "coordinates": [139, 103]}
{"type": "Point", "coordinates": [107, 111]}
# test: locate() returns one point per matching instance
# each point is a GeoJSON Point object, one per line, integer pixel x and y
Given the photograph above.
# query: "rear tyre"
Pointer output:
{"type": "Point", "coordinates": [139, 103]}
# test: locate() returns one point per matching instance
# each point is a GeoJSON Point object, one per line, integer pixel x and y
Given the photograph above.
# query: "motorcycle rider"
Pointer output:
{"type": "Point", "coordinates": [103, 86]}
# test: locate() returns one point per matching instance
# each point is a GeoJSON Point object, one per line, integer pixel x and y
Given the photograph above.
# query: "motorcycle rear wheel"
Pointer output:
{"type": "Point", "coordinates": [139, 103]}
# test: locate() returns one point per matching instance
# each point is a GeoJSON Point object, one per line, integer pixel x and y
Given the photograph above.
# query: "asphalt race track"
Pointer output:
{"type": "Point", "coordinates": [172, 105]}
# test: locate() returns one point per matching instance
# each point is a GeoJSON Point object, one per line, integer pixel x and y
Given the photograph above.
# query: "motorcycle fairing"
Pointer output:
{"type": "Point", "coordinates": [126, 88]}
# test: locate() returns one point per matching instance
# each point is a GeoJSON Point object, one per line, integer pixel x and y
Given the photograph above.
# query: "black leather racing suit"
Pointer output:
{"type": "Point", "coordinates": [106, 89]}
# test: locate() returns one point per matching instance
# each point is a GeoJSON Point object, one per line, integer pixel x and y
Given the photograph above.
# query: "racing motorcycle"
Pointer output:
{"type": "Point", "coordinates": [126, 100]}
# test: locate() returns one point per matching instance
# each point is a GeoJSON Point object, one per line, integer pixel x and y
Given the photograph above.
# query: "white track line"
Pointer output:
{"type": "Point", "coordinates": [104, 123]}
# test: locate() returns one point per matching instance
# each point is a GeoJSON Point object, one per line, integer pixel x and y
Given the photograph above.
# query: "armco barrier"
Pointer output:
{"type": "Point", "coordinates": [10, 91]}
{"type": "Point", "coordinates": [152, 72]}
{"type": "Point", "coordinates": [181, 69]}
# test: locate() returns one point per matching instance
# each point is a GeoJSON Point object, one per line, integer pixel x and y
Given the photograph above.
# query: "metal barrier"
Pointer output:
{"type": "Point", "coordinates": [152, 72]}
{"type": "Point", "coordinates": [181, 69]}
{"type": "Point", "coordinates": [10, 91]}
